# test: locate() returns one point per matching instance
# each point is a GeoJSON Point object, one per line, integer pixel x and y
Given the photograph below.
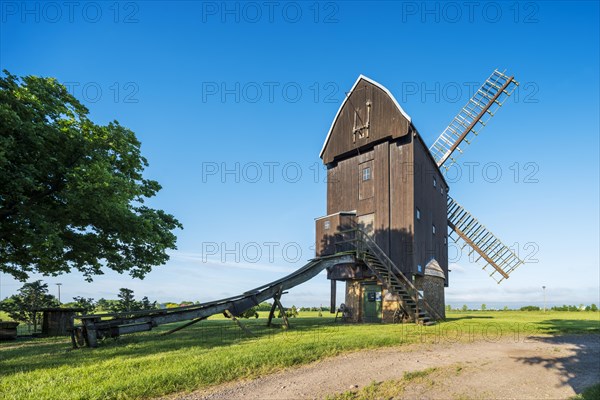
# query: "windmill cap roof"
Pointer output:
{"type": "Point", "coordinates": [433, 269]}
{"type": "Point", "coordinates": [374, 83]}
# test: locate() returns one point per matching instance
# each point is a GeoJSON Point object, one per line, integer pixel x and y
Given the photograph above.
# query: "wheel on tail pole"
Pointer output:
{"type": "Point", "coordinates": [78, 337]}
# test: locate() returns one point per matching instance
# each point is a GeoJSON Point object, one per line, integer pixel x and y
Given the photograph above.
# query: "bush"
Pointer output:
{"type": "Point", "coordinates": [530, 308]}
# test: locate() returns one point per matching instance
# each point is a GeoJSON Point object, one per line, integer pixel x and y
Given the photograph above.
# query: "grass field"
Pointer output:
{"type": "Point", "coordinates": [217, 351]}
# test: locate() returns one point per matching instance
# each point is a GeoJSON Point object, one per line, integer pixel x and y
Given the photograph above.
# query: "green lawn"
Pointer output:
{"type": "Point", "coordinates": [217, 351]}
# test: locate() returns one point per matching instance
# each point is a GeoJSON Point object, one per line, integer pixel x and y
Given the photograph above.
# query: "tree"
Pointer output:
{"type": "Point", "coordinates": [72, 192]}
{"type": "Point", "coordinates": [594, 307]}
{"type": "Point", "coordinates": [126, 301]}
{"type": "Point", "coordinates": [464, 307]}
{"type": "Point", "coordinates": [87, 304]}
{"type": "Point", "coordinates": [483, 307]}
{"type": "Point", "coordinates": [24, 306]}
{"type": "Point", "coordinates": [106, 305]}
{"type": "Point", "coordinates": [146, 304]}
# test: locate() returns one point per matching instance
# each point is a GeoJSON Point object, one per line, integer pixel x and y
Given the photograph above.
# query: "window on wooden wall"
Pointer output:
{"type": "Point", "coordinates": [366, 185]}
{"type": "Point", "coordinates": [418, 214]}
{"type": "Point", "coordinates": [327, 225]}
{"type": "Point", "coordinates": [433, 228]}
{"type": "Point", "coordinates": [434, 182]}
{"type": "Point", "coordinates": [366, 174]}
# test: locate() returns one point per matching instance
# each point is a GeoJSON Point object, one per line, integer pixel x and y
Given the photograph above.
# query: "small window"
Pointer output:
{"type": "Point", "coordinates": [366, 174]}
{"type": "Point", "coordinates": [327, 225]}
{"type": "Point", "coordinates": [433, 229]}
{"type": "Point", "coordinates": [419, 268]}
{"type": "Point", "coordinates": [418, 214]}
{"type": "Point", "coordinates": [434, 182]}
{"type": "Point", "coordinates": [445, 239]}
{"type": "Point", "coordinates": [441, 190]}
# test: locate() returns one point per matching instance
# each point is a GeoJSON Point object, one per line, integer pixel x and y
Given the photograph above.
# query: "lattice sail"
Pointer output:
{"type": "Point", "coordinates": [495, 253]}
{"type": "Point", "coordinates": [472, 118]}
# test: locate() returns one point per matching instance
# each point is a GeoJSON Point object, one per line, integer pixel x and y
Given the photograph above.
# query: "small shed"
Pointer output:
{"type": "Point", "coordinates": [58, 321]}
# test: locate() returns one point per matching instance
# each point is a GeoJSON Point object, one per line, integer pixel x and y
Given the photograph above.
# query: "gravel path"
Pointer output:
{"type": "Point", "coordinates": [550, 367]}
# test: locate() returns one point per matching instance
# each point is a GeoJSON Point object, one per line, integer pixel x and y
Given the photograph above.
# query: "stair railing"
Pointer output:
{"type": "Point", "coordinates": [363, 242]}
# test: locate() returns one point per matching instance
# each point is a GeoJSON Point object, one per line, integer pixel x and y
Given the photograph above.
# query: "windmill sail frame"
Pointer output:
{"type": "Point", "coordinates": [472, 117]}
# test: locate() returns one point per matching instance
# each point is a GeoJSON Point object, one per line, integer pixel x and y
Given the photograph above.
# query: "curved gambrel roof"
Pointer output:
{"type": "Point", "coordinates": [377, 85]}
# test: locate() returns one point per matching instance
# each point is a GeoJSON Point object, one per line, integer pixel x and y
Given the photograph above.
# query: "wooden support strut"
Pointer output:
{"type": "Point", "coordinates": [333, 300]}
{"type": "Point", "coordinates": [228, 314]}
{"type": "Point", "coordinates": [192, 322]}
{"type": "Point", "coordinates": [277, 304]}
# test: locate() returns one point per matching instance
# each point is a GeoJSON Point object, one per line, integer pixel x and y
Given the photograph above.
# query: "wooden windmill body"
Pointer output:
{"type": "Point", "coordinates": [388, 203]}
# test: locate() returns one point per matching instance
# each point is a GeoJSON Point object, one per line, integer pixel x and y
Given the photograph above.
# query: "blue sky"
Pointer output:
{"type": "Point", "coordinates": [251, 88]}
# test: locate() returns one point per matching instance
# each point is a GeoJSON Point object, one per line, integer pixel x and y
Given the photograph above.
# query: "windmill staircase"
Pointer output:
{"type": "Point", "coordinates": [495, 253]}
{"type": "Point", "coordinates": [472, 117]}
{"type": "Point", "coordinates": [392, 279]}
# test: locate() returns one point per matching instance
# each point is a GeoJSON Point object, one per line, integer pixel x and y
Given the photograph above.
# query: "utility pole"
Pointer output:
{"type": "Point", "coordinates": [59, 285]}
{"type": "Point", "coordinates": [544, 289]}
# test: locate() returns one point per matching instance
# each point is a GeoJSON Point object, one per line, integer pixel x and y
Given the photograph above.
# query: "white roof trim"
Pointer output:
{"type": "Point", "coordinates": [380, 86]}
{"type": "Point", "coordinates": [353, 212]}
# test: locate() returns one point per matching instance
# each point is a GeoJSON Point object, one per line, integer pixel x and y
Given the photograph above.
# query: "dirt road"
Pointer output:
{"type": "Point", "coordinates": [529, 368]}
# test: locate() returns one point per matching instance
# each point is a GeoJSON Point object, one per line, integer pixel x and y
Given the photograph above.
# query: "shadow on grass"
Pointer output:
{"type": "Point", "coordinates": [30, 355]}
{"type": "Point", "coordinates": [554, 326]}
{"type": "Point", "coordinates": [580, 369]}
{"type": "Point", "coordinates": [468, 317]}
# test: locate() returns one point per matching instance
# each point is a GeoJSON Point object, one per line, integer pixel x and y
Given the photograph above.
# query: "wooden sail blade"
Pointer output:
{"type": "Point", "coordinates": [489, 248]}
{"type": "Point", "coordinates": [472, 118]}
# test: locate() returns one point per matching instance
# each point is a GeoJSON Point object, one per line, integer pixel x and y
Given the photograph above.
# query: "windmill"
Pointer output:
{"type": "Point", "coordinates": [376, 160]}
{"type": "Point", "coordinates": [381, 233]}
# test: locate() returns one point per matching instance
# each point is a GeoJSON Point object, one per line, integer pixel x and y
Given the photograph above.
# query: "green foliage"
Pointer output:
{"type": "Point", "coordinates": [146, 304]}
{"type": "Point", "coordinates": [103, 305]}
{"type": "Point", "coordinates": [564, 307]}
{"type": "Point", "coordinates": [464, 307]}
{"type": "Point", "coordinates": [24, 305]}
{"type": "Point", "coordinates": [127, 302]}
{"type": "Point", "coordinates": [86, 303]}
{"type": "Point", "coordinates": [72, 192]}
{"type": "Point", "coordinates": [250, 313]}
{"type": "Point", "coordinates": [289, 312]}
{"type": "Point", "coordinates": [313, 309]}
{"type": "Point", "coordinates": [483, 307]}
{"type": "Point", "coordinates": [591, 393]}
{"type": "Point", "coordinates": [264, 306]}
{"type": "Point", "coordinates": [530, 308]}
